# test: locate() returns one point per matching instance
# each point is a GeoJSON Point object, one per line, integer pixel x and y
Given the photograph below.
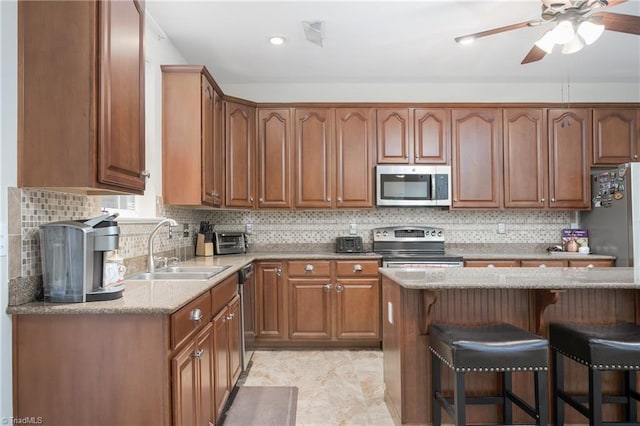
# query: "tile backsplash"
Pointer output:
{"type": "Point", "coordinates": [30, 208]}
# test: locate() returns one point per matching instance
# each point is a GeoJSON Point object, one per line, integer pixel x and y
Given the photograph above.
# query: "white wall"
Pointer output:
{"type": "Point", "coordinates": [8, 177]}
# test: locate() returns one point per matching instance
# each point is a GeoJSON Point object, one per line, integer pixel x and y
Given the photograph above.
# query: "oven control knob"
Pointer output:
{"type": "Point", "coordinates": [385, 233]}
{"type": "Point", "coordinates": [433, 233]}
{"type": "Point", "coordinates": [439, 233]}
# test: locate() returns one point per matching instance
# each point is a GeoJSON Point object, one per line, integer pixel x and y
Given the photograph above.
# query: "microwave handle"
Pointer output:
{"type": "Point", "coordinates": [433, 186]}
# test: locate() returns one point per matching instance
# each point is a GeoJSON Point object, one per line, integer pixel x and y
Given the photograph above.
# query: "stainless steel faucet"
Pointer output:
{"type": "Point", "coordinates": [151, 267]}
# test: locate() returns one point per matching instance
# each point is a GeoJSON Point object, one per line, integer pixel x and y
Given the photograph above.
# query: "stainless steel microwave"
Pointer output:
{"type": "Point", "coordinates": [413, 185]}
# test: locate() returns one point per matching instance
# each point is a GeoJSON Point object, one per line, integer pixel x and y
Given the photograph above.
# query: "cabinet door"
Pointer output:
{"type": "Point", "coordinates": [274, 158]}
{"type": "Point", "coordinates": [354, 157]}
{"type": "Point", "coordinates": [432, 136]}
{"type": "Point", "coordinates": [235, 350]}
{"type": "Point", "coordinates": [525, 158]}
{"type": "Point", "coordinates": [184, 384]}
{"type": "Point", "coordinates": [121, 132]}
{"type": "Point", "coordinates": [221, 376]}
{"type": "Point", "coordinates": [543, 263]}
{"type": "Point", "coordinates": [615, 136]}
{"type": "Point", "coordinates": [394, 135]}
{"type": "Point", "coordinates": [569, 158]}
{"type": "Point", "coordinates": [218, 151]}
{"type": "Point", "coordinates": [310, 309]}
{"type": "Point", "coordinates": [313, 157]}
{"type": "Point", "coordinates": [239, 159]}
{"type": "Point", "coordinates": [206, 371]}
{"type": "Point", "coordinates": [271, 318]}
{"type": "Point", "coordinates": [358, 309]}
{"type": "Point", "coordinates": [591, 263]}
{"type": "Point", "coordinates": [207, 124]}
{"type": "Point", "coordinates": [476, 158]}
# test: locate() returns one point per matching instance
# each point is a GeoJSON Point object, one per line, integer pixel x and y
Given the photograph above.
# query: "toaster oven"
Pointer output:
{"type": "Point", "coordinates": [229, 242]}
{"type": "Point", "coordinates": [349, 245]}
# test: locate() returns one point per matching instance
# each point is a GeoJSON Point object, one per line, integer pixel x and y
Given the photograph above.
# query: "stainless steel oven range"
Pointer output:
{"type": "Point", "coordinates": [413, 247]}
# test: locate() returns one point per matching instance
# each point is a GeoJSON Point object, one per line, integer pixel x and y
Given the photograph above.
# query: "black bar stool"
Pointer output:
{"type": "Point", "coordinates": [600, 348]}
{"type": "Point", "coordinates": [501, 348]}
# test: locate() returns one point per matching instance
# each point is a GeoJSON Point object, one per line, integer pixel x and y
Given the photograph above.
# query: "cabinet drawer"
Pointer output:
{"type": "Point", "coordinates": [491, 263]}
{"type": "Point", "coordinates": [543, 263]}
{"type": "Point", "coordinates": [354, 268]}
{"type": "Point", "coordinates": [189, 318]}
{"type": "Point", "coordinates": [314, 268]}
{"type": "Point", "coordinates": [588, 263]}
{"type": "Point", "coordinates": [223, 293]}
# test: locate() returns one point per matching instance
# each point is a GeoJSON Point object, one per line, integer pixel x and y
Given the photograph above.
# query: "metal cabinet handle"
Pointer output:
{"type": "Point", "coordinates": [261, 200]}
{"type": "Point", "coordinates": [230, 316]}
{"type": "Point", "coordinates": [278, 272]}
{"type": "Point", "coordinates": [195, 315]}
{"type": "Point", "coordinates": [542, 266]}
{"type": "Point", "coordinates": [340, 199]}
{"type": "Point", "coordinates": [145, 174]}
{"type": "Point", "coordinates": [198, 353]}
{"type": "Point", "coordinates": [251, 199]}
{"type": "Point", "coordinates": [328, 198]}
{"type": "Point", "coordinates": [635, 156]}
{"type": "Point", "coordinates": [491, 265]}
{"type": "Point", "coordinates": [590, 265]}
{"type": "Point", "coordinates": [542, 200]}
{"type": "Point", "coordinates": [553, 200]}
{"type": "Point", "coordinates": [308, 268]}
{"type": "Point", "coordinates": [357, 268]}
{"type": "Point", "coordinates": [327, 288]}
{"type": "Point", "coordinates": [339, 288]}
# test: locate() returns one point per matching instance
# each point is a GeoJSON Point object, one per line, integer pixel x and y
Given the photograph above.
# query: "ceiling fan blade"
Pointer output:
{"type": "Point", "coordinates": [534, 55]}
{"type": "Point", "coordinates": [497, 30]}
{"type": "Point", "coordinates": [629, 24]}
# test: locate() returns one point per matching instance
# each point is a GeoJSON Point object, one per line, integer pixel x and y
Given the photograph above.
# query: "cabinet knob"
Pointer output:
{"type": "Point", "coordinates": [357, 267]}
{"type": "Point", "coordinates": [230, 316]}
{"type": "Point", "coordinates": [251, 199]}
{"type": "Point", "coordinates": [261, 200]}
{"type": "Point", "coordinates": [590, 265]}
{"type": "Point", "coordinates": [339, 288]}
{"type": "Point", "coordinates": [340, 199]}
{"type": "Point", "coordinates": [308, 268]}
{"type": "Point", "coordinates": [455, 200]}
{"type": "Point", "coordinates": [542, 200]}
{"type": "Point", "coordinates": [145, 174]}
{"type": "Point", "coordinates": [542, 266]}
{"type": "Point", "coordinates": [635, 156]}
{"type": "Point", "coordinates": [195, 315]}
{"type": "Point", "coordinates": [553, 200]}
{"type": "Point", "coordinates": [491, 265]}
{"type": "Point", "coordinates": [328, 198]}
{"type": "Point", "coordinates": [198, 353]}
{"type": "Point", "coordinates": [327, 288]}
{"type": "Point", "coordinates": [278, 272]}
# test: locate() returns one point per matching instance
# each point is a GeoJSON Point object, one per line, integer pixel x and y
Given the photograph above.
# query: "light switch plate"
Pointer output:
{"type": "Point", "coordinates": [502, 228]}
{"type": "Point", "coordinates": [353, 228]}
{"type": "Point", "coordinates": [4, 239]}
{"type": "Point", "coordinates": [248, 228]}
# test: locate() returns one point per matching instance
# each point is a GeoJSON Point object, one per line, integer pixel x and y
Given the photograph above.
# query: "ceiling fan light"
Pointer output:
{"type": "Point", "coordinates": [572, 46]}
{"type": "Point", "coordinates": [546, 42]}
{"type": "Point", "coordinates": [563, 32]}
{"type": "Point", "coordinates": [590, 32]}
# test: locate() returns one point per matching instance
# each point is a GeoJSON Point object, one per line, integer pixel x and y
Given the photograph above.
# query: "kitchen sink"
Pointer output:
{"type": "Point", "coordinates": [180, 273]}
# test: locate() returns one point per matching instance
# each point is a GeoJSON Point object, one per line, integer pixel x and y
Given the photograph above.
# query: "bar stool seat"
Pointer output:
{"type": "Point", "coordinates": [501, 348]}
{"type": "Point", "coordinates": [600, 348]}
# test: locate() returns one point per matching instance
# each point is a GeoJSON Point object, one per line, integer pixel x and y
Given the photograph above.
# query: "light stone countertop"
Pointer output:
{"type": "Point", "coordinates": [515, 278]}
{"type": "Point", "coordinates": [167, 296]}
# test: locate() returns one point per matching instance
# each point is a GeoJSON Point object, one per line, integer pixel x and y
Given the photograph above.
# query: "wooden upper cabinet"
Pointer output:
{"type": "Point", "coordinates": [240, 129]}
{"type": "Point", "coordinates": [354, 157]}
{"type": "Point", "coordinates": [525, 158]}
{"type": "Point", "coordinates": [81, 110]}
{"type": "Point", "coordinates": [432, 138]}
{"type": "Point", "coordinates": [569, 133]}
{"type": "Point", "coordinates": [313, 157]}
{"type": "Point", "coordinates": [394, 135]}
{"type": "Point", "coordinates": [191, 137]}
{"type": "Point", "coordinates": [476, 142]}
{"type": "Point", "coordinates": [413, 135]}
{"type": "Point", "coordinates": [615, 136]}
{"type": "Point", "coordinates": [274, 158]}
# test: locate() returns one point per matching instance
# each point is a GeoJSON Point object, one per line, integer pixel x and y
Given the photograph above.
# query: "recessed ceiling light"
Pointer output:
{"type": "Point", "coordinates": [276, 40]}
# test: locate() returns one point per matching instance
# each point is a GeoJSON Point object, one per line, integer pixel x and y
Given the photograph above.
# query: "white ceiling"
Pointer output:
{"type": "Point", "coordinates": [384, 42]}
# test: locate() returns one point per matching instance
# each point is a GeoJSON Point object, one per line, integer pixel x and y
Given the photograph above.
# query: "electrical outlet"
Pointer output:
{"type": "Point", "coordinates": [248, 228]}
{"type": "Point", "coordinates": [353, 228]}
{"type": "Point", "coordinates": [4, 239]}
{"type": "Point", "coordinates": [574, 225]}
{"type": "Point", "coordinates": [185, 230]}
{"type": "Point", "coordinates": [502, 229]}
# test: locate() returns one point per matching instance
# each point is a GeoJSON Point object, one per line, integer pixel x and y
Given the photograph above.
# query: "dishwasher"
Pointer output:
{"type": "Point", "coordinates": [246, 279]}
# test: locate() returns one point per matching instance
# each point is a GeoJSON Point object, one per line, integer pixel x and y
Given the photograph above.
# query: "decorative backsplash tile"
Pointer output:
{"type": "Point", "coordinates": [270, 228]}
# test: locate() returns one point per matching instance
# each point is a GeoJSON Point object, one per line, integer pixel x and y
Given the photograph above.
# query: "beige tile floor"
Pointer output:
{"type": "Point", "coordinates": [337, 387]}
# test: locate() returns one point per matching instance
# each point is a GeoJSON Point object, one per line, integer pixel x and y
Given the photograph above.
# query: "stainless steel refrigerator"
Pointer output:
{"type": "Point", "coordinates": [614, 219]}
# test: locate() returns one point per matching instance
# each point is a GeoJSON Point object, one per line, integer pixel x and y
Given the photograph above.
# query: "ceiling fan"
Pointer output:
{"type": "Point", "coordinates": [578, 22]}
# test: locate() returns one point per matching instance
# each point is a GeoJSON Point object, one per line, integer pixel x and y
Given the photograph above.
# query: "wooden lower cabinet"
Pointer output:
{"type": "Point", "coordinates": [129, 369]}
{"type": "Point", "coordinates": [537, 263]}
{"type": "Point", "coordinates": [193, 373]}
{"type": "Point", "coordinates": [312, 302]}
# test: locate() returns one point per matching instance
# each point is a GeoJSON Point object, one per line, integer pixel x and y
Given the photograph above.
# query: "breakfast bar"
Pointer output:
{"type": "Point", "coordinates": [529, 298]}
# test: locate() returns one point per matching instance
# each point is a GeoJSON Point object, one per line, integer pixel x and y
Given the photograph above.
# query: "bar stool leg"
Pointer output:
{"type": "Point", "coordinates": [540, 383]}
{"type": "Point", "coordinates": [507, 407]}
{"type": "Point", "coordinates": [629, 387]}
{"type": "Point", "coordinates": [595, 397]}
{"type": "Point", "coordinates": [459, 399]}
{"type": "Point", "coordinates": [558, 387]}
{"type": "Point", "coordinates": [436, 388]}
